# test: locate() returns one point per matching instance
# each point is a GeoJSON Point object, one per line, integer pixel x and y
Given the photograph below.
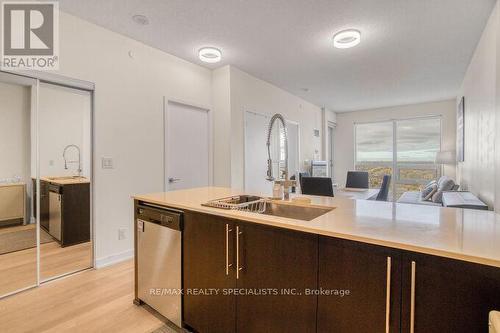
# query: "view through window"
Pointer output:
{"type": "Point", "coordinates": [405, 149]}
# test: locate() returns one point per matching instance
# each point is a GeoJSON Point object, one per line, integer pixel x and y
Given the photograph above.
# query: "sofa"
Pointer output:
{"type": "Point", "coordinates": [443, 184]}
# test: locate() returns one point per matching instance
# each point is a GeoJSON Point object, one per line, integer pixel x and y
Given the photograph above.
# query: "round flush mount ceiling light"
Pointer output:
{"type": "Point", "coordinates": [140, 19]}
{"type": "Point", "coordinates": [210, 55]}
{"type": "Point", "coordinates": [346, 38]}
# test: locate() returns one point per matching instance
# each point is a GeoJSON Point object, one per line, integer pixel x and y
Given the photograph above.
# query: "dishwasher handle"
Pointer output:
{"type": "Point", "coordinates": [168, 218]}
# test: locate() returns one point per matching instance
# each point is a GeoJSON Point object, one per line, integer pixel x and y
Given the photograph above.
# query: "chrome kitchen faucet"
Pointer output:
{"type": "Point", "coordinates": [78, 161]}
{"type": "Point", "coordinates": [285, 182]}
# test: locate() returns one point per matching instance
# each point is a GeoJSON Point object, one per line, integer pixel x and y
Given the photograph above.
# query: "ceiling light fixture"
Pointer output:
{"type": "Point", "coordinates": [346, 38]}
{"type": "Point", "coordinates": [140, 19]}
{"type": "Point", "coordinates": [210, 55]}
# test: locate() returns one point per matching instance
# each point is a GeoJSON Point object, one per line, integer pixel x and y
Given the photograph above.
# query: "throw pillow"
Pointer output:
{"type": "Point", "coordinates": [431, 183]}
{"type": "Point", "coordinates": [432, 190]}
{"type": "Point", "coordinates": [444, 184]}
{"type": "Point", "coordinates": [429, 188]}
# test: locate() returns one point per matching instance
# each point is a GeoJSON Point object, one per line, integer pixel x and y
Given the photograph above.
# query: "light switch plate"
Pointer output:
{"type": "Point", "coordinates": [122, 233]}
{"type": "Point", "coordinates": [107, 163]}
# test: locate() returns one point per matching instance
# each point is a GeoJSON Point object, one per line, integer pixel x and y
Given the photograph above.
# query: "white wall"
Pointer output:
{"type": "Point", "coordinates": [248, 93]}
{"type": "Point", "coordinates": [15, 136]}
{"type": "Point", "coordinates": [221, 104]}
{"type": "Point", "coordinates": [64, 119]}
{"type": "Point", "coordinates": [497, 115]}
{"type": "Point", "coordinates": [344, 136]}
{"type": "Point", "coordinates": [482, 125]}
{"type": "Point", "coordinates": [128, 118]}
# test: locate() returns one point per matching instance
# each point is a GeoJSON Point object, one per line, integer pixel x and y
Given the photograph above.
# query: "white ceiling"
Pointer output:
{"type": "Point", "coordinates": [411, 51]}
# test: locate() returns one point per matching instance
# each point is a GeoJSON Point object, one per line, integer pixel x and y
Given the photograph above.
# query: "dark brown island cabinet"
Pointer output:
{"type": "Point", "coordinates": [245, 277]}
{"type": "Point", "coordinates": [67, 216]}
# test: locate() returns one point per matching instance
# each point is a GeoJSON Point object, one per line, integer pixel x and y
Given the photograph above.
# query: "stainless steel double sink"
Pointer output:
{"type": "Point", "coordinates": [297, 212]}
{"type": "Point", "coordinates": [275, 207]}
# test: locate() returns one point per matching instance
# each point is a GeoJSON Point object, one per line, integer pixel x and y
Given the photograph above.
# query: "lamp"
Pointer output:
{"type": "Point", "coordinates": [446, 157]}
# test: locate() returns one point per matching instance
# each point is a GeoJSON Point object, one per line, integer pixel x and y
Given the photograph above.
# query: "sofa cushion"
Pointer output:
{"type": "Point", "coordinates": [413, 197]}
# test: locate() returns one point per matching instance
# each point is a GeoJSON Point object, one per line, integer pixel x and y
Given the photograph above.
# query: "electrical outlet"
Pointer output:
{"type": "Point", "coordinates": [122, 233]}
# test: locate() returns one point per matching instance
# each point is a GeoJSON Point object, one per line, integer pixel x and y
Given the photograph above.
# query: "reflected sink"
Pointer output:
{"type": "Point", "coordinates": [305, 213]}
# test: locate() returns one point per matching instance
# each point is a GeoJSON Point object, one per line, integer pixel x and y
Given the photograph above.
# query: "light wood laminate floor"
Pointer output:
{"type": "Point", "coordinates": [18, 269]}
{"type": "Point", "coordinates": [92, 301]}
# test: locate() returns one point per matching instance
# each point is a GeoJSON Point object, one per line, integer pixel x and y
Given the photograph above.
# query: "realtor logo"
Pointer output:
{"type": "Point", "coordinates": [30, 35]}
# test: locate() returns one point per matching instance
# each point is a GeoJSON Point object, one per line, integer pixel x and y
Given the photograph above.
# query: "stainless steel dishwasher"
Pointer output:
{"type": "Point", "coordinates": [159, 260]}
{"type": "Point", "coordinates": [55, 211]}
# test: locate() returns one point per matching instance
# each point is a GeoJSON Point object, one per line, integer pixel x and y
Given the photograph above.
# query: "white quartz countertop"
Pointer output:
{"type": "Point", "coordinates": [464, 234]}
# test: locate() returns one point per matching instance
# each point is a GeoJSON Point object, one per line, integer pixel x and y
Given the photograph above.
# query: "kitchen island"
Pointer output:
{"type": "Point", "coordinates": [364, 266]}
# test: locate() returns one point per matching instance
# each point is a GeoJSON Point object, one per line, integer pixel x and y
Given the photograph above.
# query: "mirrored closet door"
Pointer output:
{"type": "Point", "coordinates": [18, 229]}
{"type": "Point", "coordinates": [65, 177]}
{"type": "Point", "coordinates": [45, 180]}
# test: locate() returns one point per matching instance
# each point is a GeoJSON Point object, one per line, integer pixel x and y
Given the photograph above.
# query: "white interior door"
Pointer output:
{"type": "Point", "coordinates": [256, 153]}
{"type": "Point", "coordinates": [331, 145]}
{"type": "Point", "coordinates": [292, 129]}
{"type": "Point", "coordinates": [187, 146]}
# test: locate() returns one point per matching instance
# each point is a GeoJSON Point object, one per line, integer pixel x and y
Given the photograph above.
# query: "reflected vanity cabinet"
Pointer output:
{"type": "Point", "coordinates": [390, 290]}
{"type": "Point", "coordinates": [65, 211]}
{"type": "Point", "coordinates": [12, 204]}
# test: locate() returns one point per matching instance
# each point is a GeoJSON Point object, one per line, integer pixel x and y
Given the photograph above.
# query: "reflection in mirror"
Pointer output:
{"type": "Point", "coordinates": [18, 269]}
{"type": "Point", "coordinates": [65, 171]}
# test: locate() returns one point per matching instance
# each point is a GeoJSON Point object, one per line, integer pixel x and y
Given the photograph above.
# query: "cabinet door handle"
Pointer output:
{"type": "Point", "coordinates": [388, 297]}
{"type": "Point", "coordinates": [228, 264]}
{"type": "Point", "coordinates": [238, 268]}
{"type": "Point", "coordinates": [412, 299]}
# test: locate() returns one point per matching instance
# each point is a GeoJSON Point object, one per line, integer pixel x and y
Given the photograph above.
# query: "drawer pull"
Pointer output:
{"type": "Point", "coordinates": [412, 300]}
{"type": "Point", "coordinates": [238, 268]}
{"type": "Point", "coordinates": [388, 297]}
{"type": "Point", "coordinates": [228, 264]}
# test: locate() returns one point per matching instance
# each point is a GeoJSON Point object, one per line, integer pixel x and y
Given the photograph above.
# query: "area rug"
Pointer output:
{"type": "Point", "coordinates": [22, 240]}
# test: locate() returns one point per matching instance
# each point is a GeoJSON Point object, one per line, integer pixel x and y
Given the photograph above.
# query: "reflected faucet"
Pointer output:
{"type": "Point", "coordinates": [285, 182]}
{"type": "Point", "coordinates": [78, 161]}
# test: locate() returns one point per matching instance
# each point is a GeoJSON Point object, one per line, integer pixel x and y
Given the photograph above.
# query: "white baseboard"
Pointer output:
{"type": "Point", "coordinates": [114, 259]}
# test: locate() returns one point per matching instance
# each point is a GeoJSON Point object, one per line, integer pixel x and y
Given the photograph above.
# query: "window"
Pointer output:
{"type": "Point", "coordinates": [418, 141]}
{"type": "Point", "coordinates": [374, 150]}
{"type": "Point", "coordinates": [405, 149]}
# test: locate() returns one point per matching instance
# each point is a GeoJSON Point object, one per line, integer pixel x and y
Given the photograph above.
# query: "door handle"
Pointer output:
{"type": "Point", "coordinates": [173, 180]}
